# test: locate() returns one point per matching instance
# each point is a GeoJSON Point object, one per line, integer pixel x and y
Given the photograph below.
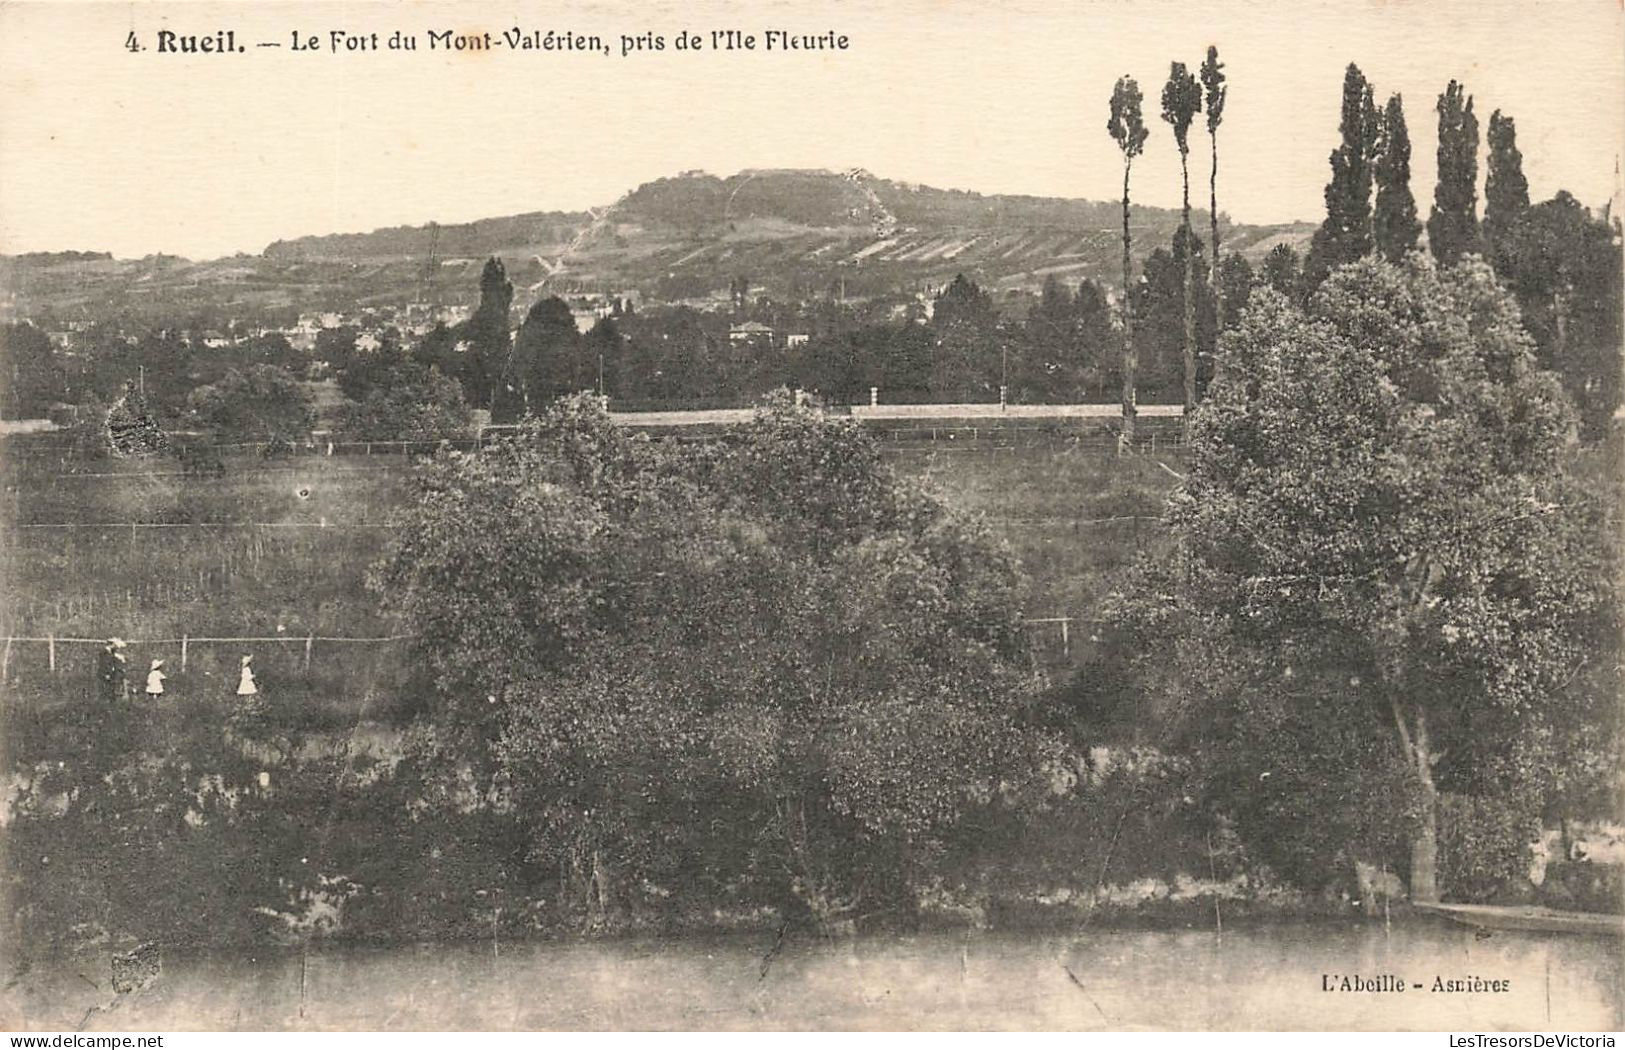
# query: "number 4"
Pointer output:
{"type": "Point", "coordinates": [131, 43]}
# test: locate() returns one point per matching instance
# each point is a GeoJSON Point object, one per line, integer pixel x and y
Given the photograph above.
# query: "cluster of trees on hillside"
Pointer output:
{"type": "Point", "coordinates": [1065, 350]}
{"type": "Point", "coordinates": [101, 360]}
{"type": "Point", "coordinates": [256, 389]}
{"type": "Point", "coordinates": [1561, 262]}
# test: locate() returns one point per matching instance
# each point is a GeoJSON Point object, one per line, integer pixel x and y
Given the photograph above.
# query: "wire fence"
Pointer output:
{"type": "Point", "coordinates": [212, 525]}
{"type": "Point", "coordinates": [931, 424]}
{"type": "Point", "coordinates": [186, 642]}
{"type": "Point", "coordinates": [184, 649]}
{"type": "Point", "coordinates": [139, 526]}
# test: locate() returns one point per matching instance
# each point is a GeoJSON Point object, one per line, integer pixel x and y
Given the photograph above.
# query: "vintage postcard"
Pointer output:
{"type": "Point", "coordinates": [1005, 515]}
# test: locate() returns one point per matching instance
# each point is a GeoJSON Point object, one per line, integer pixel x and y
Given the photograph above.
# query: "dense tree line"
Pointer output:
{"type": "Point", "coordinates": [1561, 261]}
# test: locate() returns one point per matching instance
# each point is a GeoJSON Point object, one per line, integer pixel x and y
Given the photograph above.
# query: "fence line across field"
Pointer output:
{"type": "Point", "coordinates": [205, 525]}
{"type": "Point", "coordinates": [136, 525]}
{"type": "Point", "coordinates": [189, 638]}
{"type": "Point", "coordinates": [891, 430]}
{"type": "Point", "coordinates": [185, 641]}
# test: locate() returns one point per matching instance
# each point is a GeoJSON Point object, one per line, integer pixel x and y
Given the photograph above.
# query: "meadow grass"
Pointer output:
{"type": "Point", "coordinates": [280, 550]}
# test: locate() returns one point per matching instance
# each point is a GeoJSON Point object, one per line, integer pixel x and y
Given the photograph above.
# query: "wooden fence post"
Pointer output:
{"type": "Point", "coordinates": [1066, 637]}
{"type": "Point", "coordinates": [184, 640]}
{"type": "Point", "coordinates": [50, 650]}
{"type": "Point", "coordinates": [5, 660]}
{"type": "Point", "coordinates": [309, 639]}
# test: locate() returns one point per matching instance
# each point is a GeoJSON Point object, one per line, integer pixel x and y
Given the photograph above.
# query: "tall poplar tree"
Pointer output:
{"type": "Point", "coordinates": [1453, 224]}
{"type": "Point", "coordinates": [1214, 89]}
{"type": "Point", "coordinates": [1181, 101]}
{"type": "Point", "coordinates": [1345, 235]}
{"type": "Point", "coordinates": [1506, 191]}
{"type": "Point", "coordinates": [1393, 224]}
{"type": "Point", "coordinates": [1127, 128]}
{"type": "Point", "coordinates": [487, 333]}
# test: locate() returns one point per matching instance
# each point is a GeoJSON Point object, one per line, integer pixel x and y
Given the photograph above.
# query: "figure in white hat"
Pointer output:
{"type": "Point", "coordinates": [245, 683]}
{"type": "Point", "coordinates": [155, 680]}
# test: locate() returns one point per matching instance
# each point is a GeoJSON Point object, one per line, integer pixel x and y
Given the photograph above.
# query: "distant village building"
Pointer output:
{"type": "Point", "coordinates": [588, 310]}
{"type": "Point", "coordinates": [752, 333]}
{"type": "Point", "coordinates": [302, 336]}
{"type": "Point", "coordinates": [795, 339]}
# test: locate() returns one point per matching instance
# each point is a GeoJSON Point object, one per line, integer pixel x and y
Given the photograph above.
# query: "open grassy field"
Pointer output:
{"type": "Point", "coordinates": [278, 551]}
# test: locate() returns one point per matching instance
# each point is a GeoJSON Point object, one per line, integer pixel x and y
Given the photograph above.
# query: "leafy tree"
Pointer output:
{"type": "Point", "coordinates": [901, 360]}
{"type": "Point", "coordinates": [1163, 307]}
{"type": "Point", "coordinates": [412, 403]}
{"type": "Point", "coordinates": [670, 354]}
{"type": "Point", "coordinates": [1127, 128]}
{"type": "Point", "coordinates": [1384, 568]}
{"type": "Point", "coordinates": [261, 403]}
{"type": "Point", "coordinates": [1282, 273]}
{"type": "Point", "coordinates": [764, 665]}
{"type": "Point", "coordinates": [361, 372]}
{"type": "Point", "coordinates": [1236, 288]}
{"type": "Point", "coordinates": [130, 427]}
{"type": "Point", "coordinates": [1394, 226]}
{"type": "Point", "coordinates": [1564, 266]}
{"type": "Point", "coordinates": [32, 376]}
{"type": "Point", "coordinates": [273, 348]}
{"type": "Point", "coordinates": [1214, 93]}
{"type": "Point", "coordinates": [1098, 336]}
{"type": "Point", "coordinates": [438, 349]}
{"type": "Point", "coordinates": [337, 347]}
{"type": "Point", "coordinates": [602, 348]}
{"type": "Point", "coordinates": [164, 366]}
{"type": "Point", "coordinates": [1345, 235]}
{"type": "Point", "coordinates": [1181, 101]}
{"type": "Point", "coordinates": [1453, 224]}
{"type": "Point", "coordinates": [1506, 191]}
{"type": "Point", "coordinates": [966, 363]}
{"type": "Point", "coordinates": [962, 301]}
{"type": "Point", "coordinates": [1056, 307]}
{"type": "Point", "coordinates": [548, 361]}
{"type": "Point", "coordinates": [1055, 355]}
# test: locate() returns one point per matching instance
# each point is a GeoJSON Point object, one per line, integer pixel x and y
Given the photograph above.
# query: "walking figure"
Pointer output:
{"type": "Point", "coordinates": [110, 671]}
{"type": "Point", "coordinates": [155, 680]}
{"type": "Point", "coordinates": [245, 682]}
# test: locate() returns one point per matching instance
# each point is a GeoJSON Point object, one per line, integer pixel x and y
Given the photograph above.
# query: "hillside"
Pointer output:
{"type": "Point", "coordinates": [792, 233]}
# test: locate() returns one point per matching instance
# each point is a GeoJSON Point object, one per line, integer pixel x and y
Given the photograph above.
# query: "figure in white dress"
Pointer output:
{"type": "Point", "coordinates": [245, 683]}
{"type": "Point", "coordinates": [155, 680]}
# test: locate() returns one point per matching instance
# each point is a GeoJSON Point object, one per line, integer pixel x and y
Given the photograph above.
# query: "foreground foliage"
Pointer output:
{"type": "Point", "coordinates": [761, 662]}
{"type": "Point", "coordinates": [1388, 586]}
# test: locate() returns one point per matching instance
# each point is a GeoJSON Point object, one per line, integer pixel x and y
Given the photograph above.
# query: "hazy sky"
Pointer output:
{"type": "Point", "coordinates": [204, 155]}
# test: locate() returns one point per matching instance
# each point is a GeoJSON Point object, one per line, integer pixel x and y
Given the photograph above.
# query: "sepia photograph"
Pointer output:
{"type": "Point", "coordinates": [792, 515]}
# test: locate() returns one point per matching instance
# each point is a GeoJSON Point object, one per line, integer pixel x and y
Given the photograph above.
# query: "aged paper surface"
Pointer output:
{"type": "Point", "coordinates": [280, 757]}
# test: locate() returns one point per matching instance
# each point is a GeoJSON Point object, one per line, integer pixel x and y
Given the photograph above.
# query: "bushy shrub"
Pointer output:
{"type": "Point", "coordinates": [1484, 844]}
